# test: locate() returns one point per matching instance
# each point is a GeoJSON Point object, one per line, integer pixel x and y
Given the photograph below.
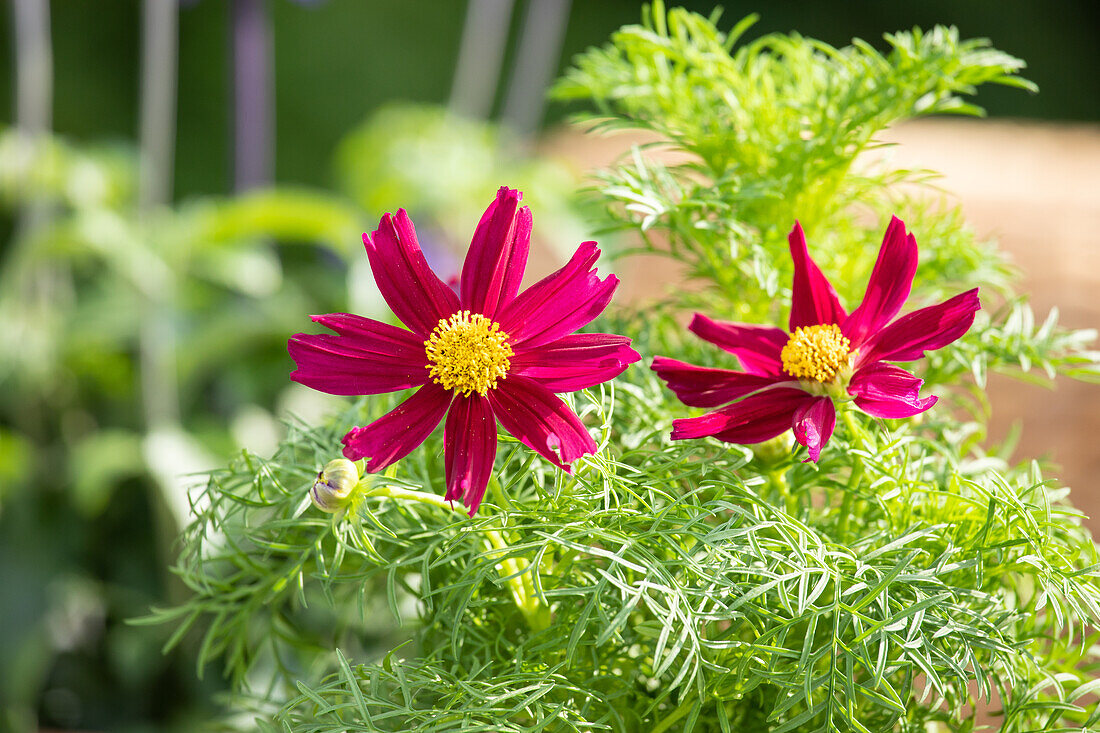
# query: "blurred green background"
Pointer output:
{"type": "Point", "coordinates": [336, 60]}
{"type": "Point", "coordinates": [109, 309]}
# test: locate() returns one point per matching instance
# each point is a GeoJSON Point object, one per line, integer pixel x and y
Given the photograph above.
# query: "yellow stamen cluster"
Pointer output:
{"type": "Point", "coordinates": [816, 352]}
{"type": "Point", "coordinates": [468, 353]}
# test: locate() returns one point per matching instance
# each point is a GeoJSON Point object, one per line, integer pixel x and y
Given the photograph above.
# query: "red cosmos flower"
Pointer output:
{"type": "Point", "coordinates": [479, 355]}
{"type": "Point", "coordinates": [791, 380]}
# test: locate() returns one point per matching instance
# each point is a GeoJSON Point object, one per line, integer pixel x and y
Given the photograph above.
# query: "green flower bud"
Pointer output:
{"type": "Point", "coordinates": [774, 451]}
{"type": "Point", "coordinates": [334, 485]}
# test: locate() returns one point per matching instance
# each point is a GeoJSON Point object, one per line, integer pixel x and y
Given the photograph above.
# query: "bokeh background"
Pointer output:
{"type": "Point", "coordinates": [144, 308]}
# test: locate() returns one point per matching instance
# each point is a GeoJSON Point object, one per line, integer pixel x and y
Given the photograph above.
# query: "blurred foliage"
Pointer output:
{"type": "Point", "coordinates": [137, 347]}
{"type": "Point", "coordinates": [412, 157]}
{"type": "Point", "coordinates": [338, 60]}
{"type": "Point", "coordinates": [87, 502]}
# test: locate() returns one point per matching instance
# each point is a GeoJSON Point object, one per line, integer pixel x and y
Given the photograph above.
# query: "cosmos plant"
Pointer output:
{"type": "Point", "coordinates": [626, 557]}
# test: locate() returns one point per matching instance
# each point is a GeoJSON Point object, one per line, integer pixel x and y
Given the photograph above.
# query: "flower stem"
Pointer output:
{"type": "Point", "coordinates": [674, 716]}
{"type": "Point", "coordinates": [498, 493]}
{"type": "Point", "coordinates": [513, 570]}
{"type": "Point", "coordinates": [521, 584]}
{"type": "Point", "coordinates": [847, 504]}
{"type": "Point", "coordinates": [396, 492]}
{"type": "Point", "coordinates": [778, 480]}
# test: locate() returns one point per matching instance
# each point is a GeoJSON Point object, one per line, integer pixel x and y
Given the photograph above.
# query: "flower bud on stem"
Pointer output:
{"type": "Point", "coordinates": [334, 484]}
{"type": "Point", "coordinates": [513, 570]}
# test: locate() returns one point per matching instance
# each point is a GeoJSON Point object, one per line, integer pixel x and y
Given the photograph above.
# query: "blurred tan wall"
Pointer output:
{"type": "Point", "coordinates": [1035, 189]}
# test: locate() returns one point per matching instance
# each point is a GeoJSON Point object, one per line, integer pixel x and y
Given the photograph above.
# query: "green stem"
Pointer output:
{"type": "Point", "coordinates": [514, 570]}
{"type": "Point", "coordinates": [847, 504]}
{"type": "Point", "coordinates": [522, 585]}
{"type": "Point", "coordinates": [778, 480]}
{"type": "Point", "coordinates": [674, 716]}
{"type": "Point", "coordinates": [498, 493]}
{"type": "Point", "coordinates": [396, 492]}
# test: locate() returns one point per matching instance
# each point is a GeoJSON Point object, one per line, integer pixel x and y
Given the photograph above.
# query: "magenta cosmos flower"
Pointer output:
{"type": "Point", "coordinates": [792, 379]}
{"type": "Point", "coordinates": [480, 355]}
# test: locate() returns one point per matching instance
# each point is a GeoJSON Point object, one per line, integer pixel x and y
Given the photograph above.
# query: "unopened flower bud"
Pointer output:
{"type": "Point", "coordinates": [774, 451]}
{"type": "Point", "coordinates": [334, 485]}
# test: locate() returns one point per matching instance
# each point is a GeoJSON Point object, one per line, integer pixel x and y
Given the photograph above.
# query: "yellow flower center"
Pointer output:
{"type": "Point", "coordinates": [468, 353]}
{"type": "Point", "coordinates": [816, 352]}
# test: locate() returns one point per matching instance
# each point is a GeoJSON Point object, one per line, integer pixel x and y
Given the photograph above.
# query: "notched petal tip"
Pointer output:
{"type": "Point", "coordinates": [560, 303]}
{"type": "Point", "coordinates": [927, 329]}
{"type": "Point", "coordinates": [541, 421]}
{"type": "Point", "coordinates": [888, 287]}
{"type": "Point", "coordinates": [888, 391]}
{"type": "Point", "coordinates": [507, 192]}
{"type": "Point", "coordinates": [353, 449]}
{"type": "Point", "coordinates": [813, 299]}
{"type": "Point", "coordinates": [497, 257]}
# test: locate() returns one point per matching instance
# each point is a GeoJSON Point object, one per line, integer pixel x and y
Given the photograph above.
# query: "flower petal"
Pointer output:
{"type": "Point", "coordinates": [756, 418]}
{"type": "Point", "coordinates": [394, 435]}
{"type": "Point", "coordinates": [469, 450]}
{"type": "Point", "coordinates": [923, 330]}
{"type": "Point", "coordinates": [813, 425]}
{"type": "Point", "coordinates": [813, 300]}
{"type": "Point", "coordinates": [889, 286]}
{"type": "Point", "coordinates": [367, 357]}
{"type": "Point", "coordinates": [560, 303]}
{"type": "Point", "coordinates": [498, 255]}
{"type": "Point", "coordinates": [756, 347]}
{"type": "Point", "coordinates": [704, 387]}
{"type": "Point", "coordinates": [415, 294]}
{"type": "Point", "coordinates": [578, 361]}
{"type": "Point", "coordinates": [541, 421]}
{"type": "Point", "coordinates": [885, 390]}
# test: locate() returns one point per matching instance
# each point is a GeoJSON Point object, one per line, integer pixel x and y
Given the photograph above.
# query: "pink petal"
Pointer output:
{"type": "Point", "coordinates": [756, 347]}
{"type": "Point", "coordinates": [927, 329]}
{"type": "Point", "coordinates": [393, 436]}
{"type": "Point", "coordinates": [367, 357]}
{"type": "Point", "coordinates": [574, 362]}
{"type": "Point", "coordinates": [813, 425]}
{"type": "Point", "coordinates": [756, 418]}
{"type": "Point", "coordinates": [498, 255]}
{"type": "Point", "coordinates": [469, 450]}
{"type": "Point", "coordinates": [560, 303]}
{"type": "Point", "coordinates": [704, 387]}
{"type": "Point", "coordinates": [889, 286]}
{"type": "Point", "coordinates": [416, 295]}
{"type": "Point", "coordinates": [813, 300]}
{"type": "Point", "coordinates": [885, 390]}
{"type": "Point", "coordinates": [541, 421]}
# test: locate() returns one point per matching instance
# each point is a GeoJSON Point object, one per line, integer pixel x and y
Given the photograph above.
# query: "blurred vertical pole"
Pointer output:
{"type": "Point", "coordinates": [536, 64]}
{"type": "Point", "coordinates": [33, 67]}
{"type": "Point", "coordinates": [159, 39]}
{"type": "Point", "coordinates": [252, 113]}
{"type": "Point", "coordinates": [480, 56]}
{"type": "Point", "coordinates": [170, 453]}
{"type": "Point", "coordinates": [33, 93]}
{"type": "Point", "coordinates": [42, 285]}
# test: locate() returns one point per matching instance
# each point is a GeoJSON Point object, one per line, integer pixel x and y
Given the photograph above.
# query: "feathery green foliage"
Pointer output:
{"type": "Point", "coordinates": [908, 579]}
